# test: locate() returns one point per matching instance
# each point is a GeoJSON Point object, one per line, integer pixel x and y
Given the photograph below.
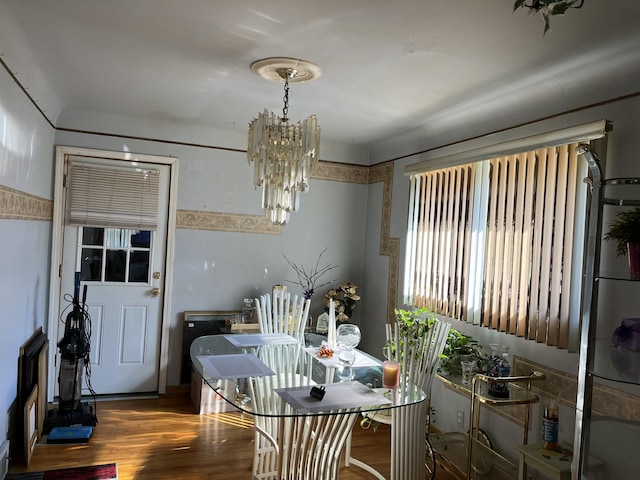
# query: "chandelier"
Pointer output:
{"type": "Point", "coordinates": [282, 153]}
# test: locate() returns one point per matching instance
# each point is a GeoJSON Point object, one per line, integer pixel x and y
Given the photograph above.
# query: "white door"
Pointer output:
{"type": "Point", "coordinates": [122, 270]}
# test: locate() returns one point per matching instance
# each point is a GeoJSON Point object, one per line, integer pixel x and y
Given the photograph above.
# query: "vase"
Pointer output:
{"type": "Point", "coordinates": [347, 339]}
{"type": "Point", "coordinates": [499, 366]}
{"type": "Point", "coordinates": [633, 253]}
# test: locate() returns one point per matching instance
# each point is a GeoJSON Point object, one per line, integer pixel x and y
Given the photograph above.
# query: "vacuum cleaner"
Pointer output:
{"type": "Point", "coordinates": [73, 420]}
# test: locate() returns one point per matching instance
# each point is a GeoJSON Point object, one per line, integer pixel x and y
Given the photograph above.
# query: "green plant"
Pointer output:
{"type": "Point", "coordinates": [547, 8]}
{"type": "Point", "coordinates": [626, 229]}
{"type": "Point", "coordinates": [459, 345]}
{"type": "Point", "coordinates": [412, 324]}
{"type": "Point", "coordinates": [416, 324]}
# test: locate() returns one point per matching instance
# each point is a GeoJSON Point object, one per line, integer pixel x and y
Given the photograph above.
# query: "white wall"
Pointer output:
{"type": "Point", "coordinates": [26, 164]}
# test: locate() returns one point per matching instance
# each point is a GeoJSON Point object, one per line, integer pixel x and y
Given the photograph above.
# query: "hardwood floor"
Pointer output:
{"type": "Point", "coordinates": [163, 438]}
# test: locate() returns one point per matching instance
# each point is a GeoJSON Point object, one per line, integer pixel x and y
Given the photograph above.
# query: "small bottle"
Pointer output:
{"type": "Point", "coordinates": [550, 426]}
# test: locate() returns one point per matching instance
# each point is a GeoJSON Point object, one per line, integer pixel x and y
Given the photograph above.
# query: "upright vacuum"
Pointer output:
{"type": "Point", "coordinates": [73, 420]}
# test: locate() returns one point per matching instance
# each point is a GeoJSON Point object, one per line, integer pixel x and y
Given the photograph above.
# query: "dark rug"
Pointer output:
{"type": "Point", "coordinates": [93, 472]}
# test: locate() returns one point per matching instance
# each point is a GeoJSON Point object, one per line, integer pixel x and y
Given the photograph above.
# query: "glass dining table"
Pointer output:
{"type": "Point", "coordinates": [304, 405]}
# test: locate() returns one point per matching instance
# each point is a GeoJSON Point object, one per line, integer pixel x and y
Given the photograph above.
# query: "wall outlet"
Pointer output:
{"type": "Point", "coordinates": [460, 418]}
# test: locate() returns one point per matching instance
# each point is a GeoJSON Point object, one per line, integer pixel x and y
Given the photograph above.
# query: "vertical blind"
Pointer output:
{"type": "Point", "coordinates": [519, 236]}
{"type": "Point", "coordinates": [441, 241]}
{"type": "Point", "coordinates": [102, 196]}
{"type": "Point", "coordinates": [530, 227]}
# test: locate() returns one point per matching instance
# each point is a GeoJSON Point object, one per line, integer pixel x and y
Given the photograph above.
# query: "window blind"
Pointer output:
{"type": "Point", "coordinates": [493, 243]}
{"type": "Point", "coordinates": [102, 196]}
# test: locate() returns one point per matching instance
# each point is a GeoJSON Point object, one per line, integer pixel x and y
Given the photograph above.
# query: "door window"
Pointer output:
{"type": "Point", "coordinates": [114, 255]}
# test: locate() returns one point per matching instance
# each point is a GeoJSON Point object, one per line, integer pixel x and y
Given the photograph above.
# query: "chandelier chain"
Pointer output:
{"type": "Point", "coordinates": [285, 110]}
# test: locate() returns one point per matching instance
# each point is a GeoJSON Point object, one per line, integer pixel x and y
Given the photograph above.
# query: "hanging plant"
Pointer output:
{"type": "Point", "coordinates": [547, 8]}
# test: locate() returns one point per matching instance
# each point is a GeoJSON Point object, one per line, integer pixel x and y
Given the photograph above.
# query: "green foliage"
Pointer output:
{"type": "Point", "coordinates": [416, 323]}
{"type": "Point", "coordinates": [547, 8]}
{"type": "Point", "coordinates": [626, 229]}
{"type": "Point", "coordinates": [413, 324]}
{"type": "Point", "coordinates": [459, 345]}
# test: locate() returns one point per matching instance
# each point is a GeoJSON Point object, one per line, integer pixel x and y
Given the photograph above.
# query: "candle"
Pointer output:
{"type": "Point", "coordinates": [390, 374]}
{"type": "Point", "coordinates": [331, 334]}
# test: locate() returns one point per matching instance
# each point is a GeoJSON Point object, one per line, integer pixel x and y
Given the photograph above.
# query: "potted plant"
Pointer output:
{"type": "Point", "coordinates": [547, 8]}
{"type": "Point", "coordinates": [460, 347]}
{"type": "Point", "coordinates": [457, 348]}
{"type": "Point", "coordinates": [625, 231]}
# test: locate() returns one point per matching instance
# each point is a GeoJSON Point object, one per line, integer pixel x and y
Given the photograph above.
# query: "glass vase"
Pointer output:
{"type": "Point", "coordinates": [499, 366]}
{"type": "Point", "coordinates": [347, 339]}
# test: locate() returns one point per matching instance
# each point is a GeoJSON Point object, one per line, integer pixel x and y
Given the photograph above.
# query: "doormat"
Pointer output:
{"type": "Point", "coordinates": [94, 472]}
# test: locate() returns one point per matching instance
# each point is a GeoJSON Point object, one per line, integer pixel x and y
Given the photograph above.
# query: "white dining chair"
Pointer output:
{"type": "Point", "coordinates": [283, 314]}
{"type": "Point", "coordinates": [285, 361]}
{"type": "Point", "coordinates": [418, 358]}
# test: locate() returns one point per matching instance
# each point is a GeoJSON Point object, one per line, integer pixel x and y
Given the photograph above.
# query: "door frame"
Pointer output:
{"type": "Point", "coordinates": [62, 152]}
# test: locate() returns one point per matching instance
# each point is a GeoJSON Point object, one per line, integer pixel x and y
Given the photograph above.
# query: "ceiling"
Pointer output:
{"type": "Point", "coordinates": [386, 66]}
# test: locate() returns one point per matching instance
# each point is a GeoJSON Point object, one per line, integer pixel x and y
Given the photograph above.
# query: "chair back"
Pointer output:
{"type": "Point", "coordinates": [418, 355]}
{"type": "Point", "coordinates": [283, 314]}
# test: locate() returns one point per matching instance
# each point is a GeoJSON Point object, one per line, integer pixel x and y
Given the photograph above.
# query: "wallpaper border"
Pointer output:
{"type": "Point", "coordinates": [17, 205]}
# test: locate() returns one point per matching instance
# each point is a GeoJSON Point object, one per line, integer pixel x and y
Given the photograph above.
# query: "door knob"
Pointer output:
{"type": "Point", "coordinates": [156, 275]}
{"type": "Point", "coordinates": [155, 291]}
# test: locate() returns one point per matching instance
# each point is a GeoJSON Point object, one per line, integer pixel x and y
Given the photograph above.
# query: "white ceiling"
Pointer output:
{"type": "Point", "coordinates": [386, 66]}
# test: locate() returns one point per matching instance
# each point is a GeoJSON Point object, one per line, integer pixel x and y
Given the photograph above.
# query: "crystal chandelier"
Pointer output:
{"type": "Point", "coordinates": [283, 154]}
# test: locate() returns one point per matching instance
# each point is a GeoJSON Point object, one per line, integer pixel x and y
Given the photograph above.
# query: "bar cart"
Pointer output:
{"type": "Point", "coordinates": [471, 453]}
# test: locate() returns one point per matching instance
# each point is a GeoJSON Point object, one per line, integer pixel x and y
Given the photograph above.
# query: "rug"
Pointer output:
{"type": "Point", "coordinates": [94, 472]}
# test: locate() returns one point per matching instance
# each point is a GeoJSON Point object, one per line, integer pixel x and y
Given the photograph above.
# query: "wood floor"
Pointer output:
{"type": "Point", "coordinates": [163, 438]}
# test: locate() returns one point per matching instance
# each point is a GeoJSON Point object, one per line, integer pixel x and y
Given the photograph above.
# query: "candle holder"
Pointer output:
{"type": "Point", "coordinates": [390, 374]}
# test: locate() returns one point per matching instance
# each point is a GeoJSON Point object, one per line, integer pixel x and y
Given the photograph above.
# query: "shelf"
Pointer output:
{"type": "Point", "coordinates": [608, 296]}
{"type": "Point", "coordinates": [613, 441]}
{"type": "Point", "coordinates": [486, 464]}
{"type": "Point", "coordinates": [616, 363]}
{"type": "Point", "coordinates": [617, 277]}
{"type": "Point", "coordinates": [517, 394]}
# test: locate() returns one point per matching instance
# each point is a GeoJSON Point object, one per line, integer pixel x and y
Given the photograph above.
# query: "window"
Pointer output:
{"type": "Point", "coordinates": [499, 242]}
{"type": "Point", "coordinates": [114, 255]}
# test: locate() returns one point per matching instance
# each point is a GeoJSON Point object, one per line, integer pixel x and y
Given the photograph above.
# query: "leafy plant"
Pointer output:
{"type": "Point", "coordinates": [459, 345]}
{"type": "Point", "coordinates": [547, 8]}
{"type": "Point", "coordinates": [626, 229]}
{"type": "Point", "coordinates": [413, 324]}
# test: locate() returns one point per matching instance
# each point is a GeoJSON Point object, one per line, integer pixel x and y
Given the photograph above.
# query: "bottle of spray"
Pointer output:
{"type": "Point", "coordinates": [550, 426]}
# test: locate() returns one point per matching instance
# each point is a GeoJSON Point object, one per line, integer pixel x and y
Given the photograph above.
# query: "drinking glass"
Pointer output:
{"type": "Point", "coordinates": [347, 337]}
{"type": "Point", "coordinates": [467, 371]}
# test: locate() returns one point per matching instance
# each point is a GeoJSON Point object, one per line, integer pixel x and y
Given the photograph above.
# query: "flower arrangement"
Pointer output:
{"type": "Point", "coordinates": [307, 279]}
{"type": "Point", "coordinates": [345, 298]}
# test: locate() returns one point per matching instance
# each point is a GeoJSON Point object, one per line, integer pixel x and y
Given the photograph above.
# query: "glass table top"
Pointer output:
{"type": "Point", "coordinates": [272, 375]}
